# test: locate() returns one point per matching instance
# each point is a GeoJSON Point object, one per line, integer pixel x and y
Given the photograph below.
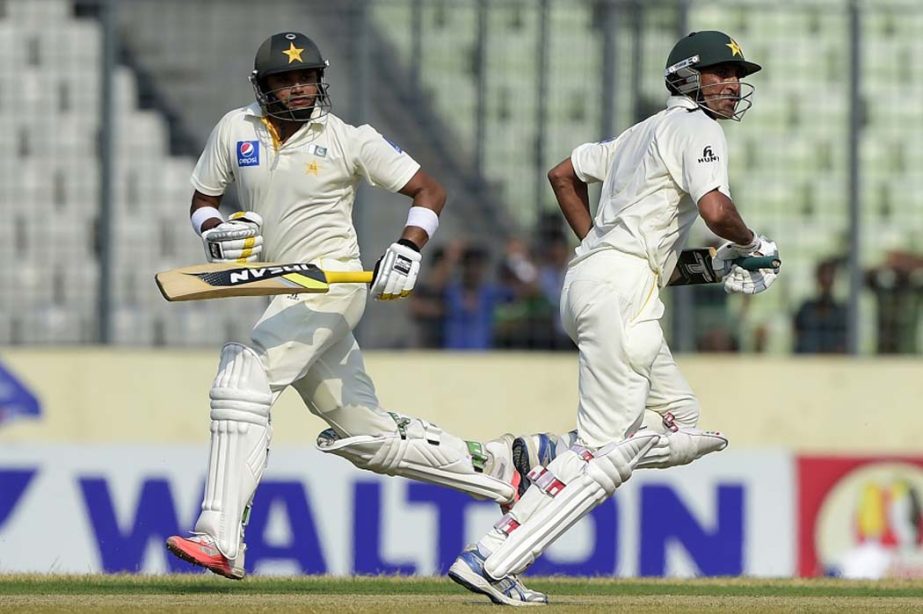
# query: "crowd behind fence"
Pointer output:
{"type": "Point", "coordinates": [105, 106]}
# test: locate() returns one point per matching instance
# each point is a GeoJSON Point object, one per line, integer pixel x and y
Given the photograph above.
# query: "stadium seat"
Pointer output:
{"type": "Point", "coordinates": [132, 326]}
{"type": "Point", "coordinates": [38, 12]}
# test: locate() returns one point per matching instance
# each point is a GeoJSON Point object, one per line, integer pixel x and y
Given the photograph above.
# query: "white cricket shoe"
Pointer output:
{"type": "Point", "coordinates": [468, 570]}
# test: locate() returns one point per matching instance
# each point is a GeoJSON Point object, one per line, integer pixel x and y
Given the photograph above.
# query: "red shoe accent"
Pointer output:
{"type": "Point", "coordinates": [514, 481]}
{"type": "Point", "coordinates": [201, 551]}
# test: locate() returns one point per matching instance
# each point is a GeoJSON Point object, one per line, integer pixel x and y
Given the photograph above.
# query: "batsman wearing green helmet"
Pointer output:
{"type": "Point", "coordinates": [297, 166]}
{"type": "Point", "coordinates": [635, 409]}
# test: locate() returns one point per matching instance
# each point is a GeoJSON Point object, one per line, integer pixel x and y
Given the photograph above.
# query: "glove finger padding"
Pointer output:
{"type": "Point", "coordinates": [237, 240]}
{"type": "Point", "coordinates": [396, 272]}
{"type": "Point", "coordinates": [748, 282]}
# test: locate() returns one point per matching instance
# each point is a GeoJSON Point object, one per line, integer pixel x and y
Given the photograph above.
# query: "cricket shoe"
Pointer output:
{"type": "Point", "coordinates": [500, 465]}
{"type": "Point", "coordinates": [201, 550]}
{"type": "Point", "coordinates": [538, 450]}
{"type": "Point", "coordinates": [468, 570]}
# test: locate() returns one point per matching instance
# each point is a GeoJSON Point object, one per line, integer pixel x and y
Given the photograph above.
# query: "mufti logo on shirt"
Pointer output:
{"type": "Point", "coordinates": [708, 155]}
{"type": "Point", "coordinates": [248, 153]}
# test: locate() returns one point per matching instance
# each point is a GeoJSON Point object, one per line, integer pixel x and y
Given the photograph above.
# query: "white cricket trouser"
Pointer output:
{"type": "Point", "coordinates": [611, 308]}
{"type": "Point", "coordinates": [306, 341]}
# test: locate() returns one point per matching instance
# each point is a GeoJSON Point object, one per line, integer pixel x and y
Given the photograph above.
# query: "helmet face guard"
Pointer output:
{"type": "Point", "coordinates": [683, 79]}
{"type": "Point", "coordinates": [274, 107]}
{"type": "Point", "coordinates": [289, 52]}
{"type": "Point", "coordinates": [702, 50]}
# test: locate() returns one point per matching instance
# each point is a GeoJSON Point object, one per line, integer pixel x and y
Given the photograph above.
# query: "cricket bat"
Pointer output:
{"type": "Point", "coordinates": [219, 280]}
{"type": "Point", "coordinates": [694, 266]}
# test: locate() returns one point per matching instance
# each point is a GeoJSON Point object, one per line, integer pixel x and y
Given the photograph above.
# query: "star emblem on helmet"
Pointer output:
{"type": "Point", "coordinates": [735, 48]}
{"type": "Point", "coordinates": [293, 53]}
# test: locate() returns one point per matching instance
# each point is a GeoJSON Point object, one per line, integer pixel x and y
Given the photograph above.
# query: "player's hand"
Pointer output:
{"type": "Point", "coordinates": [737, 279]}
{"type": "Point", "coordinates": [396, 271]}
{"type": "Point", "coordinates": [239, 239]}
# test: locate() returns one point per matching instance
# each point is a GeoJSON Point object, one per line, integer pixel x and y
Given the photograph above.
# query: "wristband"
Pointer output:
{"type": "Point", "coordinates": [424, 218]}
{"type": "Point", "coordinates": [200, 215]}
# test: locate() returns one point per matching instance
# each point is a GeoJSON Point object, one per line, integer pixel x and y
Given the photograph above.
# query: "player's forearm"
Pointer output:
{"type": "Point", "coordinates": [721, 216]}
{"type": "Point", "coordinates": [573, 198]}
{"type": "Point", "coordinates": [204, 201]}
{"type": "Point", "coordinates": [428, 195]}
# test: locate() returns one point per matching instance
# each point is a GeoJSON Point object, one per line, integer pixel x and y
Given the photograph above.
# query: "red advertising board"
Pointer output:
{"type": "Point", "coordinates": [860, 517]}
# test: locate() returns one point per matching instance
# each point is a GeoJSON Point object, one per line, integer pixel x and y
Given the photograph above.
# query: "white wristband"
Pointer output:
{"type": "Point", "coordinates": [424, 218]}
{"type": "Point", "coordinates": [200, 215]}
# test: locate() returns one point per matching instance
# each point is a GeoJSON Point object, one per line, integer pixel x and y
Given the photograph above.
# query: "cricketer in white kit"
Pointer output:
{"type": "Point", "coordinates": [296, 166]}
{"type": "Point", "coordinates": [635, 408]}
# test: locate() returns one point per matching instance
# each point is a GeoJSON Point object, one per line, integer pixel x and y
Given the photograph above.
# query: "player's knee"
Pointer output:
{"type": "Point", "coordinates": [642, 345]}
{"type": "Point", "coordinates": [241, 389]}
{"type": "Point", "coordinates": [686, 413]}
{"type": "Point", "coordinates": [359, 420]}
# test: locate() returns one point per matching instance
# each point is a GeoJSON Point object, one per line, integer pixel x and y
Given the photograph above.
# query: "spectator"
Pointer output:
{"type": "Point", "coordinates": [898, 288]}
{"type": "Point", "coordinates": [820, 324]}
{"type": "Point", "coordinates": [469, 303]}
{"type": "Point", "coordinates": [555, 254]}
{"type": "Point", "coordinates": [523, 318]}
{"type": "Point", "coordinates": [427, 303]}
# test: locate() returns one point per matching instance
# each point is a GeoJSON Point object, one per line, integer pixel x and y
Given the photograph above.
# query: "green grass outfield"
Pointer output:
{"type": "Point", "coordinates": [208, 593]}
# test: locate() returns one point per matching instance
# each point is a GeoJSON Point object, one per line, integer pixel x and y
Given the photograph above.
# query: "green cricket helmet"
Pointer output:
{"type": "Point", "coordinates": [702, 50]}
{"type": "Point", "coordinates": [286, 52]}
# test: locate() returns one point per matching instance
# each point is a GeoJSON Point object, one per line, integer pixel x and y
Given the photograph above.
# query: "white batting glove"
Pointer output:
{"type": "Point", "coordinates": [396, 271]}
{"type": "Point", "coordinates": [239, 239]}
{"type": "Point", "coordinates": [739, 280]}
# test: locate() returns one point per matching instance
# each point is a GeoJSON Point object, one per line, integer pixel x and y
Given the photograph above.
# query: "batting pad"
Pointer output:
{"type": "Point", "coordinates": [553, 504]}
{"type": "Point", "coordinates": [240, 402]}
{"type": "Point", "coordinates": [421, 451]}
{"type": "Point", "coordinates": [681, 448]}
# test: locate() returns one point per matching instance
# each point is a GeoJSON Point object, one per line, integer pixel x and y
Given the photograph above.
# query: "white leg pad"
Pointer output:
{"type": "Point", "coordinates": [573, 484]}
{"type": "Point", "coordinates": [681, 447]}
{"type": "Point", "coordinates": [421, 451]}
{"type": "Point", "coordinates": [240, 402]}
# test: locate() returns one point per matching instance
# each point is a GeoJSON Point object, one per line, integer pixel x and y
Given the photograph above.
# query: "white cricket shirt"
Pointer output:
{"type": "Point", "coordinates": [653, 175]}
{"type": "Point", "coordinates": [304, 188]}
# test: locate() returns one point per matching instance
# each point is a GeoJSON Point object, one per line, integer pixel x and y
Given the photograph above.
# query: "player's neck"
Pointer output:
{"type": "Point", "coordinates": [284, 128]}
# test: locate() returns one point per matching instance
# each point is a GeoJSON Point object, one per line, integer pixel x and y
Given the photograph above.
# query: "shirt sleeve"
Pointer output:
{"type": "Point", "coordinates": [704, 160]}
{"type": "Point", "coordinates": [381, 162]}
{"type": "Point", "coordinates": [592, 161]}
{"type": "Point", "coordinates": [212, 172]}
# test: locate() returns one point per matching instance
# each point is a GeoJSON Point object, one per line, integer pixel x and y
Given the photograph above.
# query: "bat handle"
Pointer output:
{"type": "Point", "coordinates": [753, 263]}
{"type": "Point", "coordinates": [348, 277]}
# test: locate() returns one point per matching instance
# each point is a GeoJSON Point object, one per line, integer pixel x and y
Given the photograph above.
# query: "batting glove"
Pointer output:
{"type": "Point", "coordinates": [739, 280]}
{"type": "Point", "coordinates": [237, 240]}
{"type": "Point", "coordinates": [396, 271]}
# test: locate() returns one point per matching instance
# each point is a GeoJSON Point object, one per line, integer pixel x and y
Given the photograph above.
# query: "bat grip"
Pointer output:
{"type": "Point", "coordinates": [348, 277]}
{"type": "Point", "coordinates": [753, 263]}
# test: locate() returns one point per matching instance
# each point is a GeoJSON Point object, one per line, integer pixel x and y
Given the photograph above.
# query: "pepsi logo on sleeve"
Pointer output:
{"type": "Point", "coordinates": [248, 153]}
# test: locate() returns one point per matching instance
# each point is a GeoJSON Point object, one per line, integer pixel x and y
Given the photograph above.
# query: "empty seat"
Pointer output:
{"type": "Point", "coordinates": [142, 135]}
{"type": "Point", "coordinates": [38, 12]}
{"type": "Point", "coordinates": [52, 324]}
{"type": "Point", "coordinates": [132, 326]}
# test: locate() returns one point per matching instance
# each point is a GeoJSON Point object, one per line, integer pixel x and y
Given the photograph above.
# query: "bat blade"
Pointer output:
{"type": "Point", "coordinates": [694, 266]}
{"type": "Point", "coordinates": [221, 280]}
